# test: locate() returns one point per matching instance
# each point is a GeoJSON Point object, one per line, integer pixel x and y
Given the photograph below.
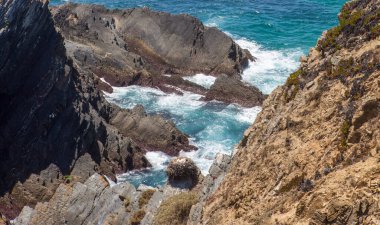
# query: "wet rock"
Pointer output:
{"type": "Point", "coordinates": [230, 90]}
{"type": "Point", "coordinates": [153, 133]}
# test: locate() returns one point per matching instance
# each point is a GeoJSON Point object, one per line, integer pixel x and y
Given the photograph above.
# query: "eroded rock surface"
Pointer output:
{"type": "Point", "coordinates": [53, 121]}
{"type": "Point", "coordinates": [312, 155]}
{"type": "Point", "coordinates": [140, 46]}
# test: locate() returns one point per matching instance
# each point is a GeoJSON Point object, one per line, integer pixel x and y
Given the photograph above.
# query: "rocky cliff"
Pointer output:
{"type": "Point", "coordinates": [312, 155]}
{"type": "Point", "coordinates": [142, 47]}
{"type": "Point", "coordinates": [55, 126]}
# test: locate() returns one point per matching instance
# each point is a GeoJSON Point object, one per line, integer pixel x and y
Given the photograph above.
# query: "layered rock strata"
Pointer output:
{"type": "Point", "coordinates": [312, 155]}
{"type": "Point", "coordinates": [141, 47]}
{"type": "Point", "coordinates": [54, 121]}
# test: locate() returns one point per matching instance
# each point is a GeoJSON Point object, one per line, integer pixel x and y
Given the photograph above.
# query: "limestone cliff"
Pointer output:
{"type": "Point", "coordinates": [313, 154]}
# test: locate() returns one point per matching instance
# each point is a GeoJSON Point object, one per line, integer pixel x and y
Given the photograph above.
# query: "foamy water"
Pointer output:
{"type": "Point", "coordinates": [202, 79]}
{"type": "Point", "coordinates": [213, 127]}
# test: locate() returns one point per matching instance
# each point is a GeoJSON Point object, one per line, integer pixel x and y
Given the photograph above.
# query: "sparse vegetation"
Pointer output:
{"type": "Point", "coordinates": [344, 130]}
{"type": "Point", "coordinates": [375, 30]}
{"type": "Point", "coordinates": [68, 178]}
{"type": "Point", "coordinates": [137, 217]}
{"type": "Point", "coordinates": [181, 169]}
{"type": "Point", "coordinates": [293, 80]}
{"type": "Point", "coordinates": [145, 197]}
{"type": "Point", "coordinates": [347, 18]}
{"type": "Point", "coordinates": [345, 67]}
{"type": "Point", "coordinates": [175, 210]}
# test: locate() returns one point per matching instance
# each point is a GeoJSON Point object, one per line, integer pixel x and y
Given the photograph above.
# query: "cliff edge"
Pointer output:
{"type": "Point", "coordinates": [312, 155]}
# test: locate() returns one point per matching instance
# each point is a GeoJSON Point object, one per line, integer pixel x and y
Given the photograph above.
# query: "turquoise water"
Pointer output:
{"type": "Point", "coordinates": [276, 32]}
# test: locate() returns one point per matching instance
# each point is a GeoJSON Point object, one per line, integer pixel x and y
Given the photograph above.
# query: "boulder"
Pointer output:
{"type": "Point", "coordinates": [182, 172]}
{"type": "Point", "coordinates": [153, 133]}
{"type": "Point", "coordinates": [230, 90]}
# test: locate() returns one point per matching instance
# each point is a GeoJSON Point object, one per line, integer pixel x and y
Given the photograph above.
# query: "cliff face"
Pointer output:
{"type": "Point", "coordinates": [312, 155]}
{"type": "Point", "coordinates": [53, 121]}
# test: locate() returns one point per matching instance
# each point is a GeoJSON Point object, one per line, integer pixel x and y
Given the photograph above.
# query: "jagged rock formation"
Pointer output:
{"type": "Point", "coordinates": [93, 202]}
{"type": "Point", "coordinates": [140, 46]}
{"type": "Point", "coordinates": [312, 155]}
{"type": "Point", "coordinates": [53, 121]}
{"type": "Point", "coordinates": [153, 133]}
{"type": "Point", "coordinates": [96, 201]}
{"type": "Point", "coordinates": [230, 90]}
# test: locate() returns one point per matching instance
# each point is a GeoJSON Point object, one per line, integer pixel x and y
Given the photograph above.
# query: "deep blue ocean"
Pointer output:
{"type": "Point", "coordinates": [276, 32]}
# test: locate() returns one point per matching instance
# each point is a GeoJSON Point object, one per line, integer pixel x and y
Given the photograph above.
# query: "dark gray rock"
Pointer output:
{"type": "Point", "coordinates": [54, 121]}
{"type": "Point", "coordinates": [230, 90]}
{"type": "Point", "coordinates": [128, 41]}
{"type": "Point", "coordinates": [153, 133]}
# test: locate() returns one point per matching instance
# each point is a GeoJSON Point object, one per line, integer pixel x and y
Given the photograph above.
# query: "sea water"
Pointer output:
{"type": "Point", "coordinates": [276, 32]}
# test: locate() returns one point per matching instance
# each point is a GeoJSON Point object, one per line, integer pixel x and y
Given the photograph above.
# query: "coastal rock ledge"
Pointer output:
{"type": "Point", "coordinates": [142, 47]}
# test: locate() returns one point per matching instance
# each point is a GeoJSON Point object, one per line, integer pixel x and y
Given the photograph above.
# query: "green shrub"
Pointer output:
{"type": "Point", "coordinates": [375, 30]}
{"type": "Point", "coordinates": [68, 178]}
{"type": "Point", "coordinates": [137, 217]}
{"type": "Point", "coordinates": [175, 210]}
{"type": "Point", "coordinates": [344, 130]}
{"type": "Point", "coordinates": [293, 80]}
{"type": "Point", "coordinates": [145, 197]}
{"type": "Point", "coordinates": [345, 68]}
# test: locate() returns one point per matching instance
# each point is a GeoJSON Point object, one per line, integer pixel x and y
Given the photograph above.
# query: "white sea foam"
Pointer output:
{"type": "Point", "coordinates": [201, 79]}
{"type": "Point", "coordinates": [110, 182]}
{"type": "Point", "coordinates": [159, 160]}
{"type": "Point", "coordinates": [271, 67]}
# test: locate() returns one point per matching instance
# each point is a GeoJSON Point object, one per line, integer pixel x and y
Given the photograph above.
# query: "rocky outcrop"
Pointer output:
{"type": "Point", "coordinates": [312, 155]}
{"type": "Point", "coordinates": [133, 40]}
{"type": "Point", "coordinates": [140, 47]}
{"type": "Point", "coordinates": [97, 201]}
{"type": "Point", "coordinates": [54, 122]}
{"type": "Point", "coordinates": [91, 202]}
{"type": "Point", "coordinates": [153, 133]}
{"type": "Point", "coordinates": [230, 90]}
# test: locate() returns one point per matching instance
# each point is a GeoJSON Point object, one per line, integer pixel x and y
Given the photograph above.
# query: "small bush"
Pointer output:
{"type": "Point", "coordinates": [182, 169]}
{"type": "Point", "coordinates": [293, 80]}
{"type": "Point", "coordinates": [137, 217]}
{"type": "Point", "coordinates": [68, 178]}
{"type": "Point", "coordinates": [145, 197]}
{"type": "Point", "coordinates": [375, 30]}
{"type": "Point", "coordinates": [175, 210]}
{"type": "Point", "coordinates": [345, 130]}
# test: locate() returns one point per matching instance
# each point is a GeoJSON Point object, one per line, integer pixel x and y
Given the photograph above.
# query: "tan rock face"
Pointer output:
{"type": "Point", "coordinates": [312, 155]}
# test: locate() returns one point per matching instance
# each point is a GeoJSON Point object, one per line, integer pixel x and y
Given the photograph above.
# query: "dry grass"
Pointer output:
{"type": "Point", "coordinates": [145, 197]}
{"type": "Point", "coordinates": [175, 210]}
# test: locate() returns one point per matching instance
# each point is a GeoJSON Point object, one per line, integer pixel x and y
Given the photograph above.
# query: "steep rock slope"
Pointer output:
{"type": "Point", "coordinates": [53, 121]}
{"type": "Point", "coordinates": [312, 155]}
